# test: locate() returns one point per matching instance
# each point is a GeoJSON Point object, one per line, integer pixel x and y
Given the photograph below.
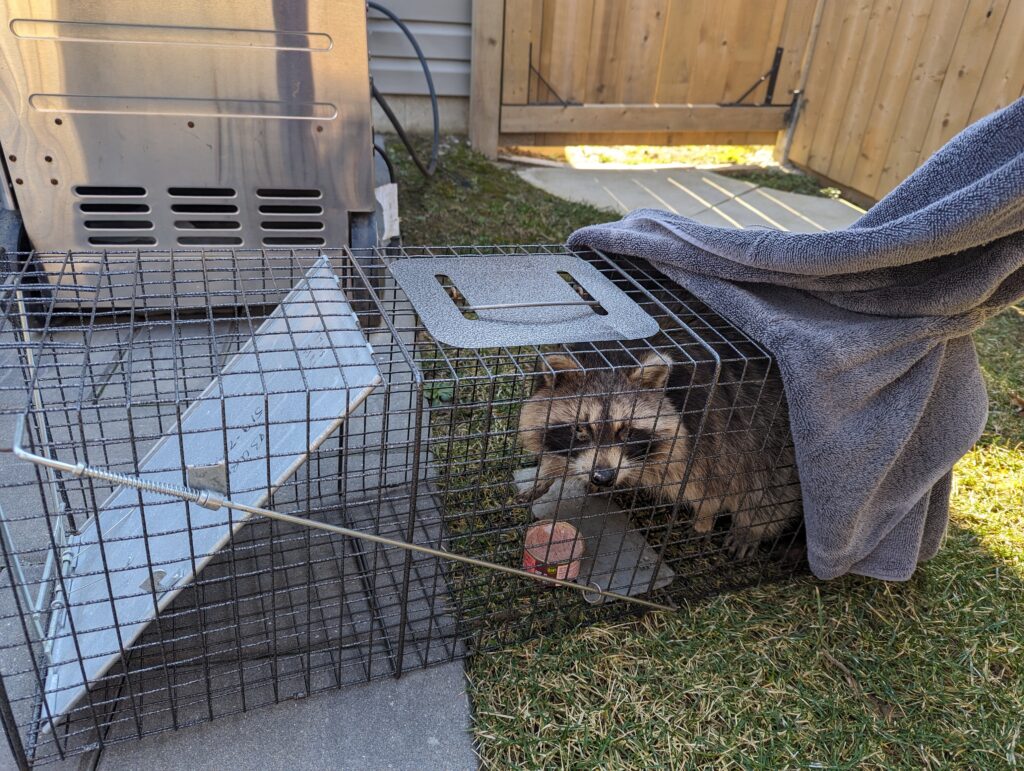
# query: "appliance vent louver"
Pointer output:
{"type": "Point", "coordinates": [291, 217]}
{"type": "Point", "coordinates": [114, 216]}
{"type": "Point", "coordinates": [204, 217]}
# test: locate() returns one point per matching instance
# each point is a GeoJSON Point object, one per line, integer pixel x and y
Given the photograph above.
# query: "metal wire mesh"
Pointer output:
{"type": "Point", "coordinates": [674, 476]}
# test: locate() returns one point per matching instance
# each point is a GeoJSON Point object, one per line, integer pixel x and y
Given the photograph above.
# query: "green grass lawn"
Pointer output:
{"type": "Point", "coordinates": [847, 673]}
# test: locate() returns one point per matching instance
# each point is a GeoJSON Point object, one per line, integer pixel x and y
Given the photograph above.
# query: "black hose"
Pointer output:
{"type": "Point", "coordinates": [387, 161]}
{"type": "Point", "coordinates": [429, 169]}
{"type": "Point", "coordinates": [426, 171]}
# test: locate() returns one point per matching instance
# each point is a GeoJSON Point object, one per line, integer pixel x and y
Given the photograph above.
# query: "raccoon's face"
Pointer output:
{"type": "Point", "coordinates": [602, 425]}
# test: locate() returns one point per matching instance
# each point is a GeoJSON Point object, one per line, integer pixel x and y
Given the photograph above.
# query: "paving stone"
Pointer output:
{"type": "Point", "coordinates": [419, 721]}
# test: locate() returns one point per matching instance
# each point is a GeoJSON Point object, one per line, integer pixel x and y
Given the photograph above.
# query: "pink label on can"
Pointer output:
{"type": "Point", "coordinates": [553, 549]}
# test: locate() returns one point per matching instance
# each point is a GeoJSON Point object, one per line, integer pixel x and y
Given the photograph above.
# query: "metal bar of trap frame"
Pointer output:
{"type": "Point", "coordinates": [210, 500]}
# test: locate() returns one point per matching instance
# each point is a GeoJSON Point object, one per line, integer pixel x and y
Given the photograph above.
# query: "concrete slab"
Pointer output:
{"type": "Point", "coordinates": [415, 722]}
{"type": "Point", "coordinates": [703, 195]}
{"type": "Point", "coordinates": [824, 213]}
{"type": "Point", "coordinates": [584, 187]}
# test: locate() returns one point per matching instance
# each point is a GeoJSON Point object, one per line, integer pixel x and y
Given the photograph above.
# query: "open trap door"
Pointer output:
{"type": "Point", "coordinates": [293, 472]}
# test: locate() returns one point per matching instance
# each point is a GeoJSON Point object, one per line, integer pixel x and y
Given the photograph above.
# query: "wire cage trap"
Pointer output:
{"type": "Point", "coordinates": [258, 475]}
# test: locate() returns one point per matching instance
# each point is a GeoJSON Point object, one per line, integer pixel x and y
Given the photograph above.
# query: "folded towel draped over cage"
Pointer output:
{"type": "Point", "coordinates": [871, 326]}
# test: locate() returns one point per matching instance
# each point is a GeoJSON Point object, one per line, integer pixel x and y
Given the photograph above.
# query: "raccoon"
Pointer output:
{"type": "Point", "coordinates": [628, 419]}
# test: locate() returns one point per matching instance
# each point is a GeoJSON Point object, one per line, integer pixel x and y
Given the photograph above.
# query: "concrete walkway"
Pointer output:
{"type": "Point", "coordinates": [702, 195]}
{"type": "Point", "coordinates": [420, 721]}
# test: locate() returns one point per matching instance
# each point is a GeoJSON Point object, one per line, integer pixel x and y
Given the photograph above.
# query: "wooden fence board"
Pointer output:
{"type": "Point", "coordinates": [971, 54]}
{"type": "Point", "coordinates": [866, 82]}
{"type": "Point", "coordinates": [646, 53]}
{"type": "Point", "coordinates": [644, 32]}
{"type": "Point", "coordinates": [484, 99]}
{"type": "Point", "coordinates": [679, 65]}
{"type": "Point", "coordinates": [796, 29]}
{"type": "Point", "coordinates": [821, 61]}
{"type": "Point", "coordinates": [909, 33]}
{"type": "Point", "coordinates": [515, 76]}
{"type": "Point", "coordinates": [843, 71]}
{"type": "Point", "coordinates": [751, 39]}
{"type": "Point", "coordinates": [1004, 76]}
{"type": "Point", "coordinates": [602, 75]}
{"type": "Point", "coordinates": [895, 84]}
{"type": "Point", "coordinates": [919, 103]}
{"type": "Point", "coordinates": [888, 81]}
{"type": "Point", "coordinates": [635, 117]}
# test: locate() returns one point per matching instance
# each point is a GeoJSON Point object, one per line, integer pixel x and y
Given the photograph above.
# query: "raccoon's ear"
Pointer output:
{"type": "Point", "coordinates": [555, 369]}
{"type": "Point", "coordinates": [653, 372]}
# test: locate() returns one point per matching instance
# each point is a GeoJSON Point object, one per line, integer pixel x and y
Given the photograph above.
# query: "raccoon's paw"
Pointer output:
{"type": "Point", "coordinates": [531, 494]}
{"type": "Point", "coordinates": [524, 479]}
{"type": "Point", "coordinates": [523, 499]}
{"type": "Point", "coordinates": [741, 543]}
{"type": "Point", "coordinates": [703, 525]}
{"type": "Point", "coordinates": [704, 521]}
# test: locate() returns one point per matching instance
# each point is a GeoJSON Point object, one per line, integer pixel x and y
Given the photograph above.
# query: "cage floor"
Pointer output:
{"type": "Point", "coordinates": [140, 530]}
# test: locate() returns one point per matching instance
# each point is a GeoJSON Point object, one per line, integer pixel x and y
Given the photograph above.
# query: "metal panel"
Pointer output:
{"type": "Point", "coordinates": [447, 11]}
{"type": "Point", "coordinates": [186, 123]}
{"type": "Point", "coordinates": [404, 77]}
{"type": "Point", "coordinates": [134, 567]}
{"type": "Point", "coordinates": [477, 302]}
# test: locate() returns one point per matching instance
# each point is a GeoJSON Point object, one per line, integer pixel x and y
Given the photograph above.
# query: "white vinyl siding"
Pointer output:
{"type": "Point", "coordinates": [442, 28]}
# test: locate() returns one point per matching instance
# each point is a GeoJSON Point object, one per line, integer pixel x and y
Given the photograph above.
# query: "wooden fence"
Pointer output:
{"type": "Point", "coordinates": [890, 82]}
{"type": "Point", "coordinates": [887, 82]}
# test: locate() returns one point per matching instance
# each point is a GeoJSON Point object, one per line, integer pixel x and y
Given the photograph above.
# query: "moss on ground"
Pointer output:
{"type": "Point", "coordinates": [777, 179]}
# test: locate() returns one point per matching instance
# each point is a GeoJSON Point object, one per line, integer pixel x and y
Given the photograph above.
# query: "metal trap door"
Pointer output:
{"type": "Point", "coordinates": [490, 301]}
{"type": "Point", "coordinates": [288, 388]}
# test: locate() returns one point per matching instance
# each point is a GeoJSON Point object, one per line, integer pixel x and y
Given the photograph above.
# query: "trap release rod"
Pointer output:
{"type": "Point", "coordinates": [209, 500]}
{"type": "Point", "coordinates": [512, 306]}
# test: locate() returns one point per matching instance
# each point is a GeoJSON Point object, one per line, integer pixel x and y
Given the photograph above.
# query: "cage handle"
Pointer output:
{"type": "Point", "coordinates": [208, 500]}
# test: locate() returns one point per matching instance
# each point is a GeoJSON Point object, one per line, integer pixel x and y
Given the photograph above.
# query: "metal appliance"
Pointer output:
{"type": "Point", "coordinates": [186, 124]}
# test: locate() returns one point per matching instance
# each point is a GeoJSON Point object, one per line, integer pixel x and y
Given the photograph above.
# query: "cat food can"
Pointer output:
{"type": "Point", "coordinates": [553, 549]}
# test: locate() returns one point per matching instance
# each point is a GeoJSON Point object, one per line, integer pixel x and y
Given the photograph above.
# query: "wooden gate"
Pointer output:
{"type": "Point", "coordinates": [644, 71]}
{"type": "Point", "coordinates": [887, 82]}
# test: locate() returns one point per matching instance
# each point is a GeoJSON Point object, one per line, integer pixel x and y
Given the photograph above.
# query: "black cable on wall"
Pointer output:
{"type": "Point", "coordinates": [428, 169]}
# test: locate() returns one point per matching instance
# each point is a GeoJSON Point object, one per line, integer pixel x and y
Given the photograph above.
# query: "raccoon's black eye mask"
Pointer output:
{"type": "Point", "coordinates": [566, 438]}
{"type": "Point", "coordinates": [636, 442]}
{"type": "Point", "coordinates": [570, 438]}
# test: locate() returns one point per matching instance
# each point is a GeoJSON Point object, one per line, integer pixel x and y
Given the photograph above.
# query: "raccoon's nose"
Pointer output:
{"type": "Point", "coordinates": [603, 477]}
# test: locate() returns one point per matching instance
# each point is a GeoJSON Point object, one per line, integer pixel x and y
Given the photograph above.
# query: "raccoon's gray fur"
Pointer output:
{"type": "Point", "coordinates": [640, 419]}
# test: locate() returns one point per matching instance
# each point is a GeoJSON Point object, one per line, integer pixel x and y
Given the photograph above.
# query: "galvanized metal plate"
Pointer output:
{"type": "Point", "coordinates": [521, 300]}
{"type": "Point", "coordinates": [289, 388]}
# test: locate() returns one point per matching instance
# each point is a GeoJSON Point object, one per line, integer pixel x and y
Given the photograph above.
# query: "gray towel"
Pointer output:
{"type": "Point", "coordinates": [871, 328]}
